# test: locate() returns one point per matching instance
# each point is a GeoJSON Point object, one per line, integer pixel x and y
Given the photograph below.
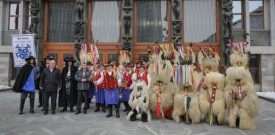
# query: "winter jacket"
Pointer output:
{"type": "Point", "coordinates": [50, 81]}
{"type": "Point", "coordinates": [80, 75]}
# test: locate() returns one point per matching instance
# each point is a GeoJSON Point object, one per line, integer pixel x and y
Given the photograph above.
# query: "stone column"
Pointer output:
{"type": "Point", "coordinates": [247, 22]}
{"type": "Point", "coordinates": [127, 37]}
{"type": "Point", "coordinates": [177, 22]}
{"type": "Point", "coordinates": [80, 25]}
{"type": "Point", "coordinates": [226, 30]}
{"type": "Point", "coordinates": [1, 19]}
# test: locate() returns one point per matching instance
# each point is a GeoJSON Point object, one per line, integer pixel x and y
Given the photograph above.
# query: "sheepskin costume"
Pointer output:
{"type": "Point", "coordinates": [139, 102]}
{"type": "Point", "coordinates": [161, 91]}
{"type": "Point", "coordinates": [211, 98]}
{"type": "Point", "coordinates": [241, 60]}
{"type": "Point", "coordinates": [241, 99]}
{"type": "Point", "coordinates": [186, 103]}
{"type": "Point", "coordinates": [207, 62]}
{"type": "Point", "coordinates": [210, 64]}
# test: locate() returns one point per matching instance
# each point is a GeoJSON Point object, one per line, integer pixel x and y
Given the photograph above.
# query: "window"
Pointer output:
{"type": "Point", "coordinates": [200, 21]}
{"type": "Point", "coordinates": [256, 14]}
{"type": "Point", "coordinates": [152, 24]}
{"type": "Point", "coordinates": [254, 64]}
{"type": "Point", "coordinates": [61, 18]}
{"type": "Point", "coordinates": [113, 57]}
{"type": "Point", "coordinates": [238, 22]}
{"type": "Point", "coordinates": [106, 21]}
{"type": "Point", "coordinates": [144, 57]}
{"type": "Point", "coordinates": [14, 16]}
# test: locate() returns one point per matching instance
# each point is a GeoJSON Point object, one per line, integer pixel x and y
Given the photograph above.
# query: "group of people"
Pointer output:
{"type": "Point", "coordinates": [77, 85]}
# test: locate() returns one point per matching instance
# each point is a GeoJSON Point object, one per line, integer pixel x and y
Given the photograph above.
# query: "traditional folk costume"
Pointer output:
{"type": "Point", "coordinates": [111, 91]}
{"type": "Point", "coordinates": [126, 91]}
{"type": "Point", "coordinates": [145, 76]}
{"type": "Point", "coordinates": [99, 89]}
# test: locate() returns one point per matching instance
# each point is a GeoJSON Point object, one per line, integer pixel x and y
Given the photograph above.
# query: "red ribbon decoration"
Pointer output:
{"type": "Point", "coordinates": [240, 93]}
{"type": "Point", "coordinates": [201, 84]}
{"type": "Point", "coordinates": [213, 96]}
{"type": "Point", "coordinates": [158, 107]}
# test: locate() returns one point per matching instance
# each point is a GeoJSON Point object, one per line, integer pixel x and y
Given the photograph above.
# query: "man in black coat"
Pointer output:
{"type": "Point", "coordinates": [50, 82]}
{"type": "Point", "coordinates": [25, 83]}
{"type": "Point", "coordinates": [44, 64]}
{"type": "Point", "coordinates": [68, 92]}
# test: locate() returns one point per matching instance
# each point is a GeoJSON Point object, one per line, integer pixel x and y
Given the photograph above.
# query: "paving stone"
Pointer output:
{"type": "Point", "coordinates": [96, 123]}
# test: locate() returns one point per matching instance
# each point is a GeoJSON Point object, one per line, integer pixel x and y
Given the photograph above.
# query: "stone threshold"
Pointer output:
{"type": "Point", "coordinates": [267, 99]}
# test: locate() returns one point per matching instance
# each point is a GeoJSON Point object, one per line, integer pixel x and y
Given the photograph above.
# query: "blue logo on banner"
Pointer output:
{"type": "Point", "coordinates": [23, 51]}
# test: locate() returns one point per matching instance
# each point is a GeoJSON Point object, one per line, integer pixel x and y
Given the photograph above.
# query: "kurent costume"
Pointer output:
{"type": "Point", "coordinates": [68, 92]}
{"type": "Point", "coordinates": [111, 92]}
{"type": "Point", "coordinates": [99, 89]}
{"type": "Point", "coordinates": [50, 81]}
{"type": "Point", "coordinates": [25, 84]}
{"type": "Point", "coordinates": [82, 88]}
{"type": "Point", "coordinates": [139, 101]}
{"type": "Point", "coordinates": [212, 103]}
{"type": "Point", "coordinates": [239, 92]}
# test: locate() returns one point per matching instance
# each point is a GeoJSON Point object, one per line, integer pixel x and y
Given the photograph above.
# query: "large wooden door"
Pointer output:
{"type": "Point", "coordinates": [60, 50]}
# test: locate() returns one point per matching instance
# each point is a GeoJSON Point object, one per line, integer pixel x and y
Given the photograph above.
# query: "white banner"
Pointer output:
{"type": "Point", "coordinates": [23, 47]}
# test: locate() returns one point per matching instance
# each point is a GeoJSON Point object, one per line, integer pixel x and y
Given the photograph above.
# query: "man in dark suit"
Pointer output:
{"type": "Point", "coordinates": [50, 82]}
{"type": "Point", "coordinates": [44, 64]}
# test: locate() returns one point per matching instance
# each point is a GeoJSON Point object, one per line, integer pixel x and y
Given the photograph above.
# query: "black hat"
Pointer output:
{"type": "Point", "coordinates": [128, 65]}
{"type": "Point", "coordinates": [48, 57]}
{"type": "Point", "coordinates": [84, 62]}
{"type": "Point", "coordinates": [98, 62]}
{"type": "Point", "coordinates": [89, 63]}
{"type": "Point", "coordinates": [139, 60]}
{"type": "Point", "coordinates": [141, 64]}
{"type": "Point", "coordinates": [29, 58]}
{"type": "Point", "coordinates": [109, 63]}
{"type": "Point", "coordinates": [69, 58]}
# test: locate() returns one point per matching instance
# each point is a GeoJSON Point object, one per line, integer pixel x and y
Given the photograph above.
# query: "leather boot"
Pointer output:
{"type": "Point", "coordinates": [64, 109]}
{"type": "Point", "coordinates": [71, 109]}
{"type": "Point", "coordinates": [110, 111]}
{"type": "Point", "coordinates": [97, 108]}
{"type": "Point", "coordinates": [103, 108]}
{"type": "Point", "coordinates": [22, 102]}
{"type": "Point", "coordinates": [117, 111]}
{"type": "Point", "coordinates": [126, 107]}
{"type": "Point", "coordinates": [31, 105]}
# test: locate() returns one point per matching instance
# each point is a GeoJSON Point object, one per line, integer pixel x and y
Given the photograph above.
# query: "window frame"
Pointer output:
{"type": "Point", "coordinates": [169, 22]}
{"type": "Point", "coordinates": [258, 14]}
{"type": "Point", "coordinates": [137, 43]}
{"type": "Point", "coordinates": [89, 21]}
{"type": "Point", "coordinates": [257, 68]}
{"type": "Point", "coordinates": [242, 15]}
{"type": "Point", "coordinates": [10, 3]}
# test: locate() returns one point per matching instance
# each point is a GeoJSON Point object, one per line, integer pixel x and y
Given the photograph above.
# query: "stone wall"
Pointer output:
{"type": "Point", "coordinates": [267, 72]}
{"type": "Point", "coordinates": [5, 69]}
